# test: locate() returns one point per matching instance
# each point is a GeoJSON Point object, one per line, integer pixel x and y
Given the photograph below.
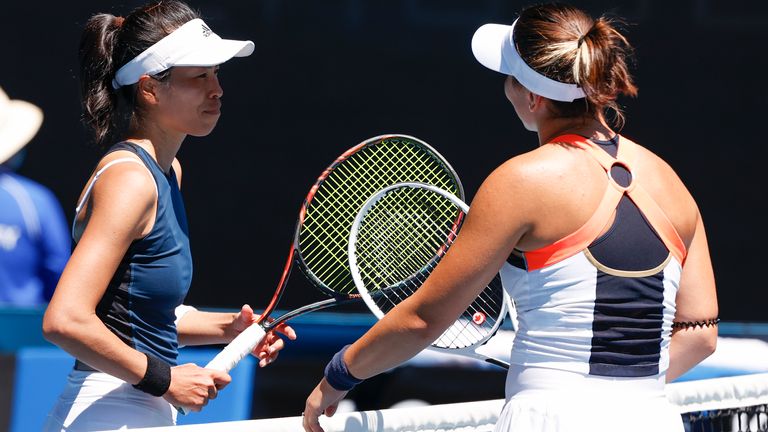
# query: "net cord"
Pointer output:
{"type": "Point", "coordinates": [719, 393]}
{"type": "Point", "coordinates": [481, 416]}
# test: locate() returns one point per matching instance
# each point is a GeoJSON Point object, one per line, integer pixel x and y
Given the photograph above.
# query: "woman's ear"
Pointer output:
{"type": "Point", "coordinates": [534, 100]}
{"type": "Point", "coordinates": [147, 90]}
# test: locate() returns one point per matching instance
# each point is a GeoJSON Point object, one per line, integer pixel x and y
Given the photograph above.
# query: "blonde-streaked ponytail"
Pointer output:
{"type": "Point", "coordinates": [566, 44]}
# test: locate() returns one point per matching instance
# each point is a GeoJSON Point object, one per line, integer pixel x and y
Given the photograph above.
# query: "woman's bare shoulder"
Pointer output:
{"type": "Point", "coordinates": [125, 184]}
{"type": "Point", "coordinates": [668, 190]}
{"type": "Point", "coordinates": [525, 181]}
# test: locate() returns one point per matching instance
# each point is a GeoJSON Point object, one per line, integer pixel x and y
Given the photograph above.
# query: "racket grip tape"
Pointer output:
{"type": "Point", "coordinates": [241, 346]}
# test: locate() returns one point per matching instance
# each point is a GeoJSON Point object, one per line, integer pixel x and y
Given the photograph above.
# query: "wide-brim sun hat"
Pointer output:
{"type": "Point", "coordinates": [494, 47]}
{"type": "Point", "coordinates": [19, 122]}
{"type": "Point", "coordinates": [192, 44]}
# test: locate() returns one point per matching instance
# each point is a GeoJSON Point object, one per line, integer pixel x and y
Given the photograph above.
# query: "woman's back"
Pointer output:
{"type": "Point", "coordinates": [596, 292]}
{"type": "Point", "coordinates": [563, 185]}
{"type": "Point", "coordinates": [595, 287]}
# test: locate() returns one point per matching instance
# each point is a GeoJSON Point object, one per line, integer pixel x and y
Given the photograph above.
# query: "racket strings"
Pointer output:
{"type": "Point", "coordinates": [394, 248]}
{"type": "Point", "coordinates": [381, 277]}
{"type": "Point", "coordinates": [323, 237]}
{"type": "Point", "coordinates": [479, 322]}
{"type": "Point", "coordinates": [401, 240]}
{"type": "Point", "coordinates": [422, 247]}
{"type": "Point", "coordinates": [339, 191]}
{"type": "Point", "coordinates": [388, 244]}
{"type": "Point", "coordinates": [471, 328]}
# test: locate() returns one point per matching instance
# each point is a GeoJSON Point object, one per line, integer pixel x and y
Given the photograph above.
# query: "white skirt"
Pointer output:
{"type": "Point", "coordinates": [548, 400]}
{"type": "Point", "coordinates": [95, 401]}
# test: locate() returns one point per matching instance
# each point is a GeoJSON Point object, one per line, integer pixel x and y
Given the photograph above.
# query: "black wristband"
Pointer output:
{"type": "Point", "coordinates": [337, 374]}
{"type": "Point", "coordinates": [157, 378]}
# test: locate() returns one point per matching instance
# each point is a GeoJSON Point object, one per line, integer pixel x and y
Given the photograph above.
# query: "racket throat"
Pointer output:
{"type": "Point", "coordinates": [280, 287]}
{"type": "Point", "coordinates": [308, 308]}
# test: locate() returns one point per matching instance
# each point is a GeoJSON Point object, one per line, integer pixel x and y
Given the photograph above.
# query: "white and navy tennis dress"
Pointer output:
{"type": "Point", "coordinates": [595, 314]}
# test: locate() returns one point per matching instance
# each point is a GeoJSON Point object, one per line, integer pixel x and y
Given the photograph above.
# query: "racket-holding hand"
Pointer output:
{"type": "Point", "coordinates": [192, 386]}
{"type": "Point", "coordinates": [323, 400]}
{"type": "Point", "coordinates": [269, 348]}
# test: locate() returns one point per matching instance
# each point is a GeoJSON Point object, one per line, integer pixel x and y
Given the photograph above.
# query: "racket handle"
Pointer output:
{"type": "Point", "coordinates": [240, 347]}
{"type": "Point", "coordinates": [231, 355]}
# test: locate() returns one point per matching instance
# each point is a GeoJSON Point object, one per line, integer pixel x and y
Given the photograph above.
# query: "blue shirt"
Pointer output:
{"type": "Point", "coordinates": [34, 243]}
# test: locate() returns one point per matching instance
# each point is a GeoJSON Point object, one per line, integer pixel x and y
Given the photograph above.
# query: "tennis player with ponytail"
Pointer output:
{"type": "Point", "coordinates": [148, 80]}
{"type": "Point", "coordinates": [611, 274]}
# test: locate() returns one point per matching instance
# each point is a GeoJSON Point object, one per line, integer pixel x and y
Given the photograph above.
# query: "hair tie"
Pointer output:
{"type": "Point", "coordinates": [118, 21]}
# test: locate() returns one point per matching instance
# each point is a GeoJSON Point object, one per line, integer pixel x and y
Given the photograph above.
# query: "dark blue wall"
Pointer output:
{"type": "Point", "coordinates": [328, 74]}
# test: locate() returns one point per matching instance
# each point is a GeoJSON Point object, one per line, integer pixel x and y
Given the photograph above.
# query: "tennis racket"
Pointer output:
{"type": "Point", "coordinates": [399, 236]}
{"type": "Point", "coordinates": [319, 246]}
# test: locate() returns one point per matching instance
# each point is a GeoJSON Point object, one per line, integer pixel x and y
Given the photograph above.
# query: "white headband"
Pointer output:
{"type": "Point", "coordinates": [494, 47]}
{"type": "Point", "coordinates": [192, 44]}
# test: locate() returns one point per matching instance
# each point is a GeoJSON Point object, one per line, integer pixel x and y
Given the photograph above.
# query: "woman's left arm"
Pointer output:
{"type": "Point", "coordinates": [696, 301]}
{"type": "Point", "coordinates": [207, 328]}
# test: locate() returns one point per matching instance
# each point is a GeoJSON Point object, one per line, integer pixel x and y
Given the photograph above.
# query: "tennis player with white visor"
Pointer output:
{"type": "Point", "coordinates": [118, 305]}
{"type": "Point", "coordinates": [610, 269]}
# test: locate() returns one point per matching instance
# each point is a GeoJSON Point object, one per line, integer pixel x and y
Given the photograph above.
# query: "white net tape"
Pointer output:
{"type": "Point", "coordinates": [719, 393]}
{"type": "Point", "coordinates": [710, 394]}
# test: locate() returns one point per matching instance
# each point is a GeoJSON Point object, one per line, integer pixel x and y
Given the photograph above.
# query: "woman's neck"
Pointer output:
{"type": "Point", "coordinates": [595, 128]}
{"type": "Point", "coordinates": [160, 145]}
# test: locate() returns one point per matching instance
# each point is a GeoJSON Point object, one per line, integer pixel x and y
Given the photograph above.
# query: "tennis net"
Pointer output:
{"type": "Point", "coordinates": [732, 404]}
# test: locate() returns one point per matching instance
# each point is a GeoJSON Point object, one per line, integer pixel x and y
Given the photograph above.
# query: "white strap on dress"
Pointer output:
{"type": "Point", "coordinates": [99, 172]}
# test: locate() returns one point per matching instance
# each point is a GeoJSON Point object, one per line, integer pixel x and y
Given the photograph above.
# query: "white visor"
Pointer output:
{"type": "Point", "coordinates": [494, 47]}
{"type": "Point", "coordinates": [192, 44]}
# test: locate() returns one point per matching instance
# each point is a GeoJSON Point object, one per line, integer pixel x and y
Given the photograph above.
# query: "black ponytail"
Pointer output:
{"type": "Point", "coordinates": [109, 42]}
{"type": "Point", "coordinates": [99, 100]}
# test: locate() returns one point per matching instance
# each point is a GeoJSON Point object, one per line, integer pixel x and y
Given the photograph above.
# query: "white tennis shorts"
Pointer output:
{"type": "Point", "coordinates": [94, 401]}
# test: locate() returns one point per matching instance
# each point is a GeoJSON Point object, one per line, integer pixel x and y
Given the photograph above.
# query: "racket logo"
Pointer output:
{"type": "Point", "coordinates": [478, 318]}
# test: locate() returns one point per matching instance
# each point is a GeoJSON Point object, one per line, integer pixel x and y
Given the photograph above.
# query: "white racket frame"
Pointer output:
{"type": "Point", "coordinates": [507, 306]}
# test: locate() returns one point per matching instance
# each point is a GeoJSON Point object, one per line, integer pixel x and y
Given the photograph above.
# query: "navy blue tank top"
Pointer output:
{"type": "Point", "coordinates": [154, 275]}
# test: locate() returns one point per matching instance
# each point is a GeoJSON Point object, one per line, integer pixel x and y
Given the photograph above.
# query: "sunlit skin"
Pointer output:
{"type": "Point", "coordinates": [189, 102]}
{"type": "Point", "coordinates": [120, 210]}
{"type": "Point", "coordinates": [520, 99]}
{"type": "Point", "coordinates": [529, 202]}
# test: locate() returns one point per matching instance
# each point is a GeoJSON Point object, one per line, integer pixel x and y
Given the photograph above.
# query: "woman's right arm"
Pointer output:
{"type": "Point", "coordinates": [122, 209]}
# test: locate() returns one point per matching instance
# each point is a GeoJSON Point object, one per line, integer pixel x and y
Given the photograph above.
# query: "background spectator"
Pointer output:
{"type": "Point", "coordinates": [34, 242]}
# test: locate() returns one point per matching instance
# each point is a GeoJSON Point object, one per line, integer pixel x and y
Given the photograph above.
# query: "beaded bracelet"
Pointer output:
{"type": "Point", "coordinates": [688, 324]}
